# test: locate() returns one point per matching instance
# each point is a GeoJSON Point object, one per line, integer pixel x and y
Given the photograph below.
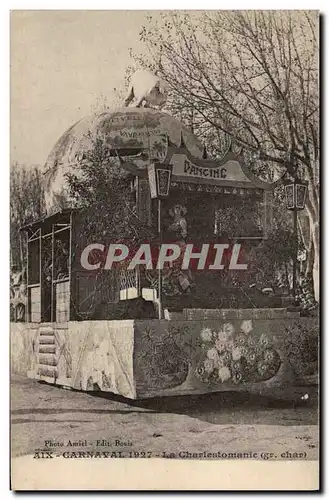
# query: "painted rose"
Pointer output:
{"type": "Point", "coordinates": [229, 345]}
{"type": "Point", "coordinates": [212, 354]}
{"type": "Point", "coordinates": [251, 357]}
{"type": "Point", "coordinates": [228, 328]}
{"type": "Point", "coordinates": [222, 336]}
{"type": "Point", "coordinates": [236, 353]}
{"type": "Point", "coordinates": [252, 342]}
{"type": "Point", "coordinates": [224, 374]}
{"type": "Point", "coordinates": [241, 340]}
{"type": "Point", "coordinates": [208, 365]}
{"type": "Point", "coordinates": [244, 350]}
{"type": "Point", "coordinates": [220, 346]}
{"type": "Point", "coordinates": [246, 326]}
{"type": "Point", "coordinates": [221, 362]}
{"type": "Point", "coordinates": [206, 335]}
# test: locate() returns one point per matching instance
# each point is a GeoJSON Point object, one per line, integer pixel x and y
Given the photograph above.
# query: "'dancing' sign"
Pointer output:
{"type": "Point", "coordinates": [230, 172]}
{"type": "Point", "coordinates": [212, 173]}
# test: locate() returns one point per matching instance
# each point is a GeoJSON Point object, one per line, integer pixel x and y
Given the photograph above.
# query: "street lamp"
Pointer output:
{"type": "Point", "coordinates": [159, 175]}
{"type": "Point", "coordinates": [295, 192]}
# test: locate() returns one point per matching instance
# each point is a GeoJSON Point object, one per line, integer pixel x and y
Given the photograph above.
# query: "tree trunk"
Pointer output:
{"type": "Point", "coordinates": [310, 259]}
{"type": "Point", "coordinates": [315, 235]}
{"type": "Point", "coordinates": [316, 264]}
{"type": "Point", "coordinates": [312, 209]}
{"type": "Point", "coordinates": [306, 238]}
{"type": "Point", "coordinates": [286, 275]}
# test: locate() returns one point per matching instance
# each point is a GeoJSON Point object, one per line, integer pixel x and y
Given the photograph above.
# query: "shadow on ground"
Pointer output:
{"type": "Point", "coordinates": [274, 408]}
{"type": "Point", "coordinates": [235, 407]}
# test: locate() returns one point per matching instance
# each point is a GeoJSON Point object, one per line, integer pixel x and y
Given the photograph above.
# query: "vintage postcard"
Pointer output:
{"type": "Point", "coordinates": [164, 250]}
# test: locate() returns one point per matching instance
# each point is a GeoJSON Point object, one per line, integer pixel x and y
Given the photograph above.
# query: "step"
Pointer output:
{"type": "Point", "coordinates": [48, 371]}
{"type": "Point", "coordinates": [46, 330]}
{"type": "Point", "coordinates": [47, 340]}
{"type": "Point", "coordinates": [47, 359]}
{"type": "Point", "coordinates": [47, 349]}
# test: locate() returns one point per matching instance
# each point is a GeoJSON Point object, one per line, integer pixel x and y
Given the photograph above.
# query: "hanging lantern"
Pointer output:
{"type": "Point", "coordinates": [159, 175]}
{"type": "Point", "coordinates": [295, 192]}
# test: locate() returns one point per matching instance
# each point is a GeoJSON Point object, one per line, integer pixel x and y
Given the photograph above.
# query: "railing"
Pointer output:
{"type": "Point", "coordinates": [129, 284]}
{"type": "Point", "coordinates": [34, 300]}
{"type": "Point", "coordinates": [62, 298]}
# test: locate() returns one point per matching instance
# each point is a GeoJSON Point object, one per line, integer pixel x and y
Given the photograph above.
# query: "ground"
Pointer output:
{"type": "Point", "coordinates": [164, 427]}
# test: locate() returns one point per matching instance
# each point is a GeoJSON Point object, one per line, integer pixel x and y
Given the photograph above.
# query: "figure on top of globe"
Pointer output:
{"type": "Point", "coordinates": [147, 89]}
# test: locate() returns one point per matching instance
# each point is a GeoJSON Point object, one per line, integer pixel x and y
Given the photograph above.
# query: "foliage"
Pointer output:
{"type": "Point", "coordinates": [301, 345]}
{"type": "Point", "coordinates": [305, 298]}
{"type": "Point", "coordinates": [26, 204]}
{"type": "Point", "coordinates": [251, 76]}
{"type": "Point", "coordinates": [103, 189]}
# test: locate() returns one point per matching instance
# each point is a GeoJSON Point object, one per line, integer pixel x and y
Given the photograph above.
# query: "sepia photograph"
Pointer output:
{"type": "Point", "coordinates": [164, 249]}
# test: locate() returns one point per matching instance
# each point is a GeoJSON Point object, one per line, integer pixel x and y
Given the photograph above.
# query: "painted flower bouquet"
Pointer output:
{"type": "Point", "coordinates": [230, 356]}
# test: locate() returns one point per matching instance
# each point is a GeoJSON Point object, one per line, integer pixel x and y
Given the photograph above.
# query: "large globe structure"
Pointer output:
{"type": "Point", "coordinates": [141, 133]}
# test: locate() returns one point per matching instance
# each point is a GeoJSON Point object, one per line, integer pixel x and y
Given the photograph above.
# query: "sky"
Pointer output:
{"type": "Point", "coordinates": [61, 63]}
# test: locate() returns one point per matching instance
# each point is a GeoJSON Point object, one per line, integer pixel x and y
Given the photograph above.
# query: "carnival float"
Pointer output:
{"type": "Point", "coordinates": [155, 332]}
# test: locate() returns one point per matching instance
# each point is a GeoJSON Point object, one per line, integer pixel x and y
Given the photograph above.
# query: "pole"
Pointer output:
{"type": "Point", "coordinates": [28, 302]}
{"type": "Point", "coordinates": [52, 306]}
{"type": "Point", "coordinates": [294, 264]}
{"type": "Point", "coordinates": [159, 270]}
